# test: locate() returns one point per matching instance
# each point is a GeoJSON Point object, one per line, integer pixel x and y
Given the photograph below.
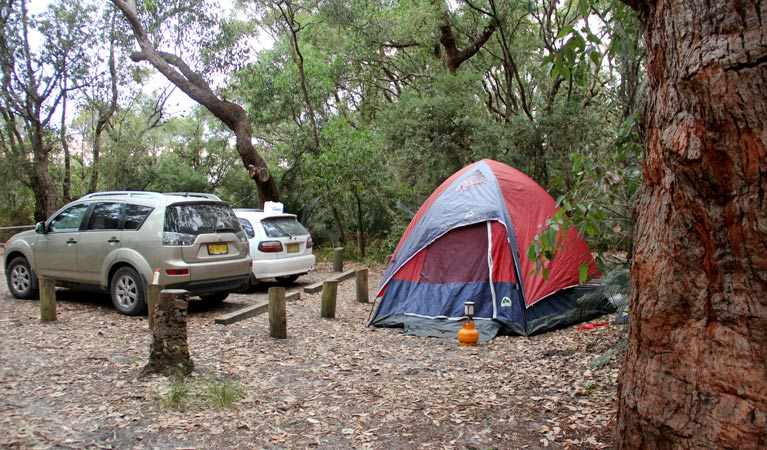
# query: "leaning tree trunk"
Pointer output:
{"type": "Point", "coordinates": [695, 374]}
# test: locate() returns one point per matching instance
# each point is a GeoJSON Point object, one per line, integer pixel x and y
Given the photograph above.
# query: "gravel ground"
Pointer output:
{"type": "Point", "coordinates": [332, 384]}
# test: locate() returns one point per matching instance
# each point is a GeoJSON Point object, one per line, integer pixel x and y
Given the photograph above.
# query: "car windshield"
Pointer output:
{"type": "Point", "coordinates": [282, 227]}
{"type": "Point", "coordinates": [195, 219]}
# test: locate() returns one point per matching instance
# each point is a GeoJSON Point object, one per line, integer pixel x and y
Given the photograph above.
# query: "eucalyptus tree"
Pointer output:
{"type": "Point", "coordinates": [37, 55]}
{"type": "Point", "coordinates": [165, 31]}
{"type": "Point", "coordinates": [694, 375]}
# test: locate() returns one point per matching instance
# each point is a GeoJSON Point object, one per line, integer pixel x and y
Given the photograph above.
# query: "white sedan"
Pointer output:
{"type": "Point", "coordinates": [280, 246]}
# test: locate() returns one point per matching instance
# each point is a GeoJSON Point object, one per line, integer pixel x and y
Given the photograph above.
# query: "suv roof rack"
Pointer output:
{"type": "Point", "coordinates": [145, 194]}
{"type": "Point", "coordinates": [153, 195]}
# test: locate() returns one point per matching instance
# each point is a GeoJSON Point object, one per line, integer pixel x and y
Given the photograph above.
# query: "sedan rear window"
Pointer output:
{"type": "Point", "coordinates": [283, 227]}
{"type": "Point", "coordinates": [247, 227]}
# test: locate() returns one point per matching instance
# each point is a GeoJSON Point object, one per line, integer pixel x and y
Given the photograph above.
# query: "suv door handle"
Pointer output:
{"type": "Point", "coordinates": [71, 241]}
{"type": "Point", "coordinates": [113, 240]}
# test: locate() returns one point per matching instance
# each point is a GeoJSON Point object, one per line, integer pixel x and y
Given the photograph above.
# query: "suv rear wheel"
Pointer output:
{"type": "Point", "coordinates": [20, 279]}
{"type": "Point", "coordinates": [215, 298]}
{"type": "Point", "coordinates": [127, 292]}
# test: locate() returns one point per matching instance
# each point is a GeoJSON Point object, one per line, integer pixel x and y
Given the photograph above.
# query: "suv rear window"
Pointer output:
{"type": "Point", "coordinates": [283, 227]}
{"type": "Point", "coordinates": [194, 219]}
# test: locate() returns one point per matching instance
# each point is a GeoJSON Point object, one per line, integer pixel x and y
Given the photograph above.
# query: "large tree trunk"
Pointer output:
{"type": "Point", "coordinates": [695, 374]}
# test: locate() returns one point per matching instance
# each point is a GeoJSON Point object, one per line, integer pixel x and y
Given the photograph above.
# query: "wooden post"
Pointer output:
{"type": "Point", "coordinates": [362, 285]}
{"type": "Point", "coordinates": [47, 300]}
{"type": "Point", "coordinates": [169, 351]}
{"type": "Point", "coordinates": [338, 259]}
{"type": "Point", "coordinates": [328, 306]}
{"type": "Point", "coordinates": [278, 323]}
{"type": "Point", "coordinates": [152, 298]}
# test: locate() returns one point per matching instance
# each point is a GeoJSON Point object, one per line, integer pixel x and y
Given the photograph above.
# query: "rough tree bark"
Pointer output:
{"type": "Point", "coordinates": [695, 374]}
{"type": "Point", "coordinates": [193, 85]}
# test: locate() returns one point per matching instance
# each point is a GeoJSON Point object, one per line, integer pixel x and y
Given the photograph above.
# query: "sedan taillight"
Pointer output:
{"type": "Point", "coordinates": [270, 246]}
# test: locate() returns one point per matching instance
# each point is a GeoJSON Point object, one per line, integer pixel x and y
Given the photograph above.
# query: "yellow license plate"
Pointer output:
{"type": "Point", "coordinates": [293, 248]}
{"type": "Point", "coordinates": [218, 249]}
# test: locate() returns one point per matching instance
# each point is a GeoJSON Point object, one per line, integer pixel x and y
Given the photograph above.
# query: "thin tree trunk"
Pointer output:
{"type": "Point", "coordinates": [288, 14]}
{"type": "Point", "coordinates": [360, 224]}
{"type": "Point", "coordinates": [105, 113]}
{"type": "Point", "coordinates": [66, 188]}
{"type": "Point", "coordinates": [339, 225]}
{"type": "Point", "coordinates": [695, 374]}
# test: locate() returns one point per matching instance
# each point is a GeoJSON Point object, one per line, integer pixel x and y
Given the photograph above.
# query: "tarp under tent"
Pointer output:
{"type": "Point", "coordinates": [468, 242]}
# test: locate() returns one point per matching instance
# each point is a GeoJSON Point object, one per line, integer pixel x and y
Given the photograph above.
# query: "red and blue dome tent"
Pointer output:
{"type": "Point", "coordinates": [468, 242]}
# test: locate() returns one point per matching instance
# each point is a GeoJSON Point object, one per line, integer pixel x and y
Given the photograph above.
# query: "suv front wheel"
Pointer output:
{"type": "Point", "coordinates": [127, 291]}
{"type": "Point", "coordinates": [20, 279]}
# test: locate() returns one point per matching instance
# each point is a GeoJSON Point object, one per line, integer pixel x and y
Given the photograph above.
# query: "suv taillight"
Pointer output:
{"type": "Point", "coordinates": [309, 243]}
{"type": "Point", "coordinates": [270, 246]}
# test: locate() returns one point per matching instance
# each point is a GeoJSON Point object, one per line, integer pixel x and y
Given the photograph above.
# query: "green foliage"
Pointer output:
{"type": "Point", "coordinates": [598, 205]}
{"type": "Point", "coordinates": [432, 133]}
{"type": "Point", "coordinates": [579, 45]}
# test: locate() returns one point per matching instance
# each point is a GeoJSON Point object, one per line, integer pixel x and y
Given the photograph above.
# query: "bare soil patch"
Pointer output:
{"type": "Point", "coordinates": [332, 384]}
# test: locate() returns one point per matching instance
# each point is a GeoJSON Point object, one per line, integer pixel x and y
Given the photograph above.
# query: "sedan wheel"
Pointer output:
{"type": "Point", "coordinates": [289, 279]}
{"type": "Point", "coordinates": [128, 292]}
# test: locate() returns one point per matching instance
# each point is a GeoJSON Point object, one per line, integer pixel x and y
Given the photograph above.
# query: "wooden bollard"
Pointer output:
{"type": "Point", "coordinates": [362, 285]}
{"type": "Point", "coordinates": [47, 300]}
{"type": "Point", "coordinates": [278, 323]}
{"type": "Point", "coordinates": [338, 259]}
{"type": "Point", "coordinates": [328, 306]}
{"type": "Point", "coordinates": [152, 298]}
{"type": "Point", "coordinates": [169, 351]}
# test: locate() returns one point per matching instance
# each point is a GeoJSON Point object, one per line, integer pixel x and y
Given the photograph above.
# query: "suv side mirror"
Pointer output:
{"type": "Point", "coordinates": [40, 228]}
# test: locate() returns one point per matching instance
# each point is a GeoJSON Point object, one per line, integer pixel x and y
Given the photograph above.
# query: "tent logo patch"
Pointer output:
{"type": "Point", "coordinates": [506, 301]}
{"type": "Point", "coordinates": [473, 180]}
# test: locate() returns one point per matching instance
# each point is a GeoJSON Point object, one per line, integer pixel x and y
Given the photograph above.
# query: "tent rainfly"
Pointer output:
{"type": "Point", "coordinates": [468, 242]}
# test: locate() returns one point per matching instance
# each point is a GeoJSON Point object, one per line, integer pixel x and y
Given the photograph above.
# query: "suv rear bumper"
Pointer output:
{"type": "Point", "coordinates": [206, 287]}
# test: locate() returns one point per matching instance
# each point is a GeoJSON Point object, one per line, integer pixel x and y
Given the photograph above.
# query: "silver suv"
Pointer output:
{"type": "Point", "coordinates": [114, 241]}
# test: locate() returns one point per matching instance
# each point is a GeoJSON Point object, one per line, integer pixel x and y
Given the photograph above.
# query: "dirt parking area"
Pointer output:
{"type": "Point", "coordinates": [332, 384]}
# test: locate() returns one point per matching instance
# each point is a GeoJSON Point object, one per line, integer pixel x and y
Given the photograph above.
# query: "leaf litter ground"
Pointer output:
{"type": "Point", "coordinates": [332, 384]}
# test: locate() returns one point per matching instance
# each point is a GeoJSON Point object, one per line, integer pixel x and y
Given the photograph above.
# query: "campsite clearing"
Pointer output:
{"type": "Point", "coordinates": [332, 384]}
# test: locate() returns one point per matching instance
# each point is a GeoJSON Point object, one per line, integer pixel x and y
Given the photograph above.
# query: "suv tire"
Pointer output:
{"type": "Point", "coordinates": [128, 294]}
{"type": "Point", "coordinates": [21, 282]}
{"type": "Point", "coordinates": [215, 298]}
